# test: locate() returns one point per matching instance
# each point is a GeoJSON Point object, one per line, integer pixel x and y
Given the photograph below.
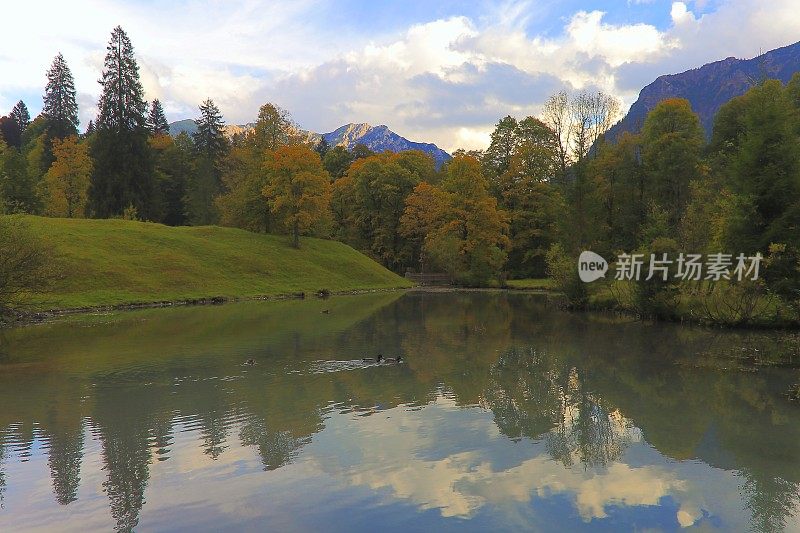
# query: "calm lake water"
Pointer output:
{"type": "Point", "coordinates": [505, 415]}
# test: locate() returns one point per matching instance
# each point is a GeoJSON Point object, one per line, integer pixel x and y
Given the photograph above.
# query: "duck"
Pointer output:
{"type": "Point", "coordinates": [250, 362]}
{"type": "Point", "coordinates": [397, 360]}
{"type": "Point", "coordinates": [326, 311]}
{"type": "Point", "coordinates": [373, 359]}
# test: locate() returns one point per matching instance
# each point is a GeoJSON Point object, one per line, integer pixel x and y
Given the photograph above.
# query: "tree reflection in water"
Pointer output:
{"type": "Point", "coordinates": [531, 396]}
{"type": "Point", "coordinates": [586, 387]}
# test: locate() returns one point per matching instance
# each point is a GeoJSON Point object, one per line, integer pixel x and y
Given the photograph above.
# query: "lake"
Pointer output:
{"type": "Point", "coordinates": [505, 414]}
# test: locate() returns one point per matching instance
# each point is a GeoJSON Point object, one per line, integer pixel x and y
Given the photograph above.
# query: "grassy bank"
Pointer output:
{"type": "Point", "coordinates": [543, 284]}
{"type": "Point", "coordinates": [116, 262]}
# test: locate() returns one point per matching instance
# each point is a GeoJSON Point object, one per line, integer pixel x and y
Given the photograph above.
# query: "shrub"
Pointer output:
{"type": "Point", "coordinates": [563, 270]}
{"type": "Point", "coordinates": [26, 265]}
{"type": "Point", "coordinates": [657, 297]}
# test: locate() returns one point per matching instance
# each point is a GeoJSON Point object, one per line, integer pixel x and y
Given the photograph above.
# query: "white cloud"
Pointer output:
{"type": "Point", "coordinates": [446, 80]}
{"type": "Point", "coordinates": [408, 456]}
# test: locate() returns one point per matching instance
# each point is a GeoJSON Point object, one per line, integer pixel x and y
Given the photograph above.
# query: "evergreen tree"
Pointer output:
{"type": "Point", "coordinates": [123, 170]}
{"type": "Point", "coordinates": [90, 129]}
{"type": "Point", "coordinates": [60, 107]}
{"type": "Point", "coordinates": [21, 116]}
{"type": "Point", "coordinates": [122, 104]}
{"type": "Point", "coordinates": [10, 132]}
{"type": "Point", "coordinates": [361, 151]}
{"type": "Point", "coordinates": [209, 139]}
{"type": "Point", "coordinates": [157, 121]}
{"type": "Point", "coordinates": [336, 161]}
{"type": "Point", "coordinates": [174, 167]}
{"type": "Point", "coordinates": [206, 182]}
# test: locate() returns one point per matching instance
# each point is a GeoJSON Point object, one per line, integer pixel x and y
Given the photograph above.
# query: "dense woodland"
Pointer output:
{"type": "Point", "coordinates": [546, 188]}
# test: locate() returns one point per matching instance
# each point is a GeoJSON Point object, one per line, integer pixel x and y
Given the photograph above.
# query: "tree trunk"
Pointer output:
{"type": "Point", "coordinates": [296, 235]}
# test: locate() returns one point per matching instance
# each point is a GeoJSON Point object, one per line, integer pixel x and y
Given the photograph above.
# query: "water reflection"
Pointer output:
{"type": "Point", "coordinates": [505, 412]}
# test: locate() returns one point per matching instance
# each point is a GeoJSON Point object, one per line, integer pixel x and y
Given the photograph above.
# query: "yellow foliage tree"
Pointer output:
{"type": "Point", "coordinates": [461, 227]}
{"type": "Point", "coordinates": [66, 183]}
{"type": "Point", "coordinates": [298, 188]}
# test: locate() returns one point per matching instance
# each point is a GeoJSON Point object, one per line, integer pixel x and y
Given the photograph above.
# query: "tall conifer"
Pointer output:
{"type": "Point", "coordinates": [124, 166]}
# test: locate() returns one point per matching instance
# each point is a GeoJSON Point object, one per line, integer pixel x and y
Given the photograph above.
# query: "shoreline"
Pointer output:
{"type": "Point", "coordinates": [24, 318]}
{"type": "Point", "coordinates": [21, 318]}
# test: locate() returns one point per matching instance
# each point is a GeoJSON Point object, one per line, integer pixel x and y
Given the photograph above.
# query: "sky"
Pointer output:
{"type": "Point", "coordinates": [433, 71]}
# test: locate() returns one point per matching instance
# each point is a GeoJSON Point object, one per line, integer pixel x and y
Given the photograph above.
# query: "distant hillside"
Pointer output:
{"type": "Point", "coordinates": [377, 138]}
{"type": "Point", "coordinates": [188, 126]}
{"type": "Point", "coordinates": [707, 88]}
{"type": "Point", "coordinates": [113, 262]}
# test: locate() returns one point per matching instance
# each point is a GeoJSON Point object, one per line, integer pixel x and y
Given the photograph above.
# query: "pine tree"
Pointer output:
{"type": "Point", "coordinates": [157, 121]}
{"type": "Point", "coordinates": [124, 166]}
{"type": "Point", "coordinates": [21, 116]}
{"type": "Point", "coordinates": [60, 107]}
{"type": "Point", "coordinates": [90, 129]}
{"type": "Point", "coordinates": [209, 139]}
{"type": "Point", "coordinates": [122, 104]}
{"type": "Point", "coordinates": [205, 184]}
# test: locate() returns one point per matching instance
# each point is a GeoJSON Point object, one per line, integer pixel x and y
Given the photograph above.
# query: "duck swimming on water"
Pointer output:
{"type": "Point", "coordinates": [373, 359]}
{"type": "Point", "coordinates": [398, 359]}
{"type": "Point", "coordinates": [250, 362]}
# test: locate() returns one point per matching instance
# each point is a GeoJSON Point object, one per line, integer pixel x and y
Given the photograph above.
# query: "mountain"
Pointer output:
{"type": "Point", "coordinates": [376, 138]}
{"type": "Point", "coordinates": [379, 139]}
{"type": "Point", "coordinates": [188, 126]}
{"type": "Point", "coordinates": [707, 88]}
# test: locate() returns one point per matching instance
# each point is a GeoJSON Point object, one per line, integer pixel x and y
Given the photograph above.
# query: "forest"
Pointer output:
{"type": "Point", "coordinates": [545, 189]}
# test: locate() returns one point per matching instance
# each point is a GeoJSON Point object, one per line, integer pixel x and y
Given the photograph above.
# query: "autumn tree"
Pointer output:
{"type": "Point", "coordinates": [462, 230]}
{"type": "Point", "coordinates": [497, 157]}
{"type": "Point", "coordinates": [672, 144]}
{"type": "Point", "coordinates": [274, 128]}
{"type": "Point", "coordinates": [298, 188]}
{"type": "Point", "coordinates": [426, 210]}
{"type": "Point", "coordinates": [373, 201]}
{"type": "Point", "coordinates": [530, 197]}
{"type": "Point", "coordinates": [578, 121]}
{"type": "Point", "coordinates": [242, 203]}
{"type": "Point", "coordinates": [557, 116]}
{"type": "Point", "coordinates": [756, 138]}
{"type": "Point", "coordinates": [66, 183]}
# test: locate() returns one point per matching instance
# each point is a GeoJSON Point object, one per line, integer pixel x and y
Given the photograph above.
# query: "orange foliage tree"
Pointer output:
{"type": "Point", "coordinates": [461, 228]}
{"type": "Point", "coordinates": [298, 188]}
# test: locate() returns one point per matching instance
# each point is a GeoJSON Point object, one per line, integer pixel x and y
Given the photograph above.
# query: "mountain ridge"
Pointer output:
{"type": "Point", "coordinates": [710, 86]}
{"type": "Point", "coordinates": [376, 138]}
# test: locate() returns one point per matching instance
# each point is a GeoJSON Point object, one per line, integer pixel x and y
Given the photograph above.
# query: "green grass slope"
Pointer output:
{"type": "Point", "coordinates": [114, 262]}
